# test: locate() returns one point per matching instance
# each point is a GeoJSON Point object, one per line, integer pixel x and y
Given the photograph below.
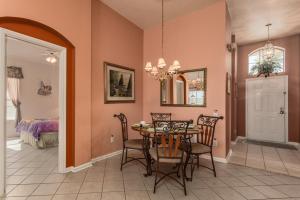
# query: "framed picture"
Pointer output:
{"type": "Point", "coordinates": [228, 83]}
{"type": "Point", "coordinates": [119, 83]}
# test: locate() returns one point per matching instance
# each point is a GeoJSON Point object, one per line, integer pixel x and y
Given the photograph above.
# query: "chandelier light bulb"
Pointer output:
{"type": "Point", "coordinates": [48, 59]}
{"type": "Point", "coordinates": [53, 60]}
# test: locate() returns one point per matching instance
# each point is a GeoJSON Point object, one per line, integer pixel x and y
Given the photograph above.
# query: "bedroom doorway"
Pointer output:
{"type": "Point", "coordinates": [41, 85]}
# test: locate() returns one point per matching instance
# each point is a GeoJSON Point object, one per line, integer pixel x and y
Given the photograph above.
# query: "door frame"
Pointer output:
{"type": "Point", "coordinates": [62, 161]}
{"type": "Point", "coordinates": [286, 113]}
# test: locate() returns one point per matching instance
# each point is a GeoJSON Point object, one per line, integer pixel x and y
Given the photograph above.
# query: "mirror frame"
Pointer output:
{"type": "Point", "coordinates": [188, 105]}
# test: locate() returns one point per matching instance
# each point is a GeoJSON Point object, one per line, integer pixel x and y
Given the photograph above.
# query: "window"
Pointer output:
{"type": "Point", "coordinates": [10, 108]}
{"type": "Point", "coordinates": [257, 56]}
{"type": "Point", "coordinates": [196, 97]}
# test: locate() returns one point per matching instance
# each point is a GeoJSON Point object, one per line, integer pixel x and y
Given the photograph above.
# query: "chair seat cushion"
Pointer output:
{"type": "Point", "coordinates": [198, 148]}
{"type": "Point", "coordinates": [134, 143]}
{"type": "Point", "coordinates": [161, 150]}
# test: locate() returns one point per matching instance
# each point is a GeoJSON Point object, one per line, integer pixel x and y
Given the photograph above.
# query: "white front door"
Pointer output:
{"type": "Point", "coordinates": [267, 109]}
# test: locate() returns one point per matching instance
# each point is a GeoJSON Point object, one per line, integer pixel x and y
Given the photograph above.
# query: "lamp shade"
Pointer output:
{"type": "Point", "coordinates": [14, 72]}
{"type": "Point", "coordinates": [154, 71]}
{"type": "Point", "coordinates": [161, 63]}
{"type": "Point", "coordinates": [148, 67]}
{"type": "Point", "coordinates": [176, 65]}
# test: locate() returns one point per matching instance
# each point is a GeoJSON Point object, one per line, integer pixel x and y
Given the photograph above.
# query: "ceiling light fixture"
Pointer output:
{"type": "Point", "coordinates": [268, 49]}
{"type": "Point", "coordinates": [159, 72]}
{"type": "Point", "coordinates": [51, 58]}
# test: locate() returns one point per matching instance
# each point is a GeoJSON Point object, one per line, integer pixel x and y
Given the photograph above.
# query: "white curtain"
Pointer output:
{"type": "Point", "coordinates": [13, 88]}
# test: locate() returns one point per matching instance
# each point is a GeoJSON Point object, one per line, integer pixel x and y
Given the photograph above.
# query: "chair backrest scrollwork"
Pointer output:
{"type": "Point", "coordinates": [161, 116]}
{"type": "Point", "coordinates": [172, 136]}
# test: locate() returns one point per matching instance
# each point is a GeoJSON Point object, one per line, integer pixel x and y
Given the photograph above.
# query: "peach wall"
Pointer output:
{"type": "Point", "coordinates": [73, 20]}
{"type": "Point", "coordinates": [196, 40]}
{"type": "Point", "coordinates": [292, 65]}
{"type": "Point", "coordinates": [118, 41]}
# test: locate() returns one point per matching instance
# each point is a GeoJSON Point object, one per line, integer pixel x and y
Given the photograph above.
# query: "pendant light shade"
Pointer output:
{"type": "Point", "coordinates": [176, 65]}
{"type": "Point", "coordinates": [161, 63]}
{"type": "Point", "coordinates": [148, 67]}
{"type": "Point", "coordinates": [154, 71]}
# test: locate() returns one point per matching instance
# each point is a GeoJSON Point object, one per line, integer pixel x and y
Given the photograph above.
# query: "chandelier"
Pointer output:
{"type": "Point", "coordinates": [268, 49]}
{"type": "Point", "coordinates": [160, 72]}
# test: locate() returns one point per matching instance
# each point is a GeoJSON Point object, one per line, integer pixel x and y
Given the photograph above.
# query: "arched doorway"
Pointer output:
{"type": "Point", "coordinates": [43, 32]}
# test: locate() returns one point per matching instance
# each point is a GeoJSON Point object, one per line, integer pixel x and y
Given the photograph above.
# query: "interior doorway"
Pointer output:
{"type": "Point", "coordinates": [267, 109]}
{"type": "Point", "coordinates": [61, 52]}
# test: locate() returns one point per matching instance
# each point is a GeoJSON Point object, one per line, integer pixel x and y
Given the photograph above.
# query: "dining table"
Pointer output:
{"type": "Point", "coordinates": [146, 130]}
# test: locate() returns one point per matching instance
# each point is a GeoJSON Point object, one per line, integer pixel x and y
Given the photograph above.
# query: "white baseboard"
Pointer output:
{"type": "Point", "coordinates": [296, 144]}
{"type": "Point", "coordinates": [100, 158]}
{"type": "Point", "coordinates": [78, 168]}
{"type": "Point", "coordinates": [82, 167]}
{"type": "Point", "coordinates": [218, 159]}
{"type": "Point", "coordinates": [228, 155]}
{"type": "Point", "coordinates": [90, 163]}
{"type": "Point", "coordinates": [237, 139]}
{"type": "Point", "coordinates": [106, 156]}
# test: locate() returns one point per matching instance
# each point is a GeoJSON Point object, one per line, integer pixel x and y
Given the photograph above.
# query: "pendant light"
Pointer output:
{"type": "Point", "coordinates": [268, 49]}
{"type": "Point", "coordinates": [160, 72]}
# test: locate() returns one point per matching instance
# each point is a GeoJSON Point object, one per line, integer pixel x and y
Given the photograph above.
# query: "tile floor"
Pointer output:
{"type": "Point", "coordinates": [32, 175]}
{"type": "Point", "coordinates": [284, 161]}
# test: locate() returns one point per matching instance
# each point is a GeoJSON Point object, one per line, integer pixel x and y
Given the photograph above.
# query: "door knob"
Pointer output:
{"type": "Point", "coordinates": [281, 111]}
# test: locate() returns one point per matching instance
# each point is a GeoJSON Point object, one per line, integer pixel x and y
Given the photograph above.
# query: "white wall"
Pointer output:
{"type": "Point", "coordinates": [34, 106]}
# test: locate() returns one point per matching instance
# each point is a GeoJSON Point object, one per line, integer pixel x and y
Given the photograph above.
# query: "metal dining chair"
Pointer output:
{"type": "Point", "coordinates": [204, 144]}
{"type": "Point", "coordinates": [160, 117]}
{"type": "Point", "coordinates": [136, 144]}
{"type": "Point", "coordinates": [173, 137]}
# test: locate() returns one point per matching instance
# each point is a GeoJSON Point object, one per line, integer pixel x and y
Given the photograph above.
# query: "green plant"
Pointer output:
{"type": "Point", "coordinates": [265, 68]}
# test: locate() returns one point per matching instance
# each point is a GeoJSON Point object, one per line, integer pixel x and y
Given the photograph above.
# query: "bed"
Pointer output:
{"type": "Point", "coordinates": [39, 133]}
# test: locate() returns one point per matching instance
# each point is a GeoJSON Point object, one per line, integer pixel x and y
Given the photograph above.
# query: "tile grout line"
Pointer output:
{"type": "Point", "coordinates": [282, 161]}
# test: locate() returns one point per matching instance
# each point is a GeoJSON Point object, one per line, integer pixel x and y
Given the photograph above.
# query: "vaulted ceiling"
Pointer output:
{"type": "Point", "coordinates": [146, 13]}
{"type": "Point", "coordinates": [249, 17]}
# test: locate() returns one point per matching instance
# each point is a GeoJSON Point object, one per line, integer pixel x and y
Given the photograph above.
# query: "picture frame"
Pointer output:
{"type": "Point", "coordinates": [228, 83]}
{"type": "Point", "coordinates": [119, 84]}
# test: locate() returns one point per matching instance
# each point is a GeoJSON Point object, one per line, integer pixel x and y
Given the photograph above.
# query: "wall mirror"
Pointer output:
{"type": "Point", "coordinates": [186, 89]}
